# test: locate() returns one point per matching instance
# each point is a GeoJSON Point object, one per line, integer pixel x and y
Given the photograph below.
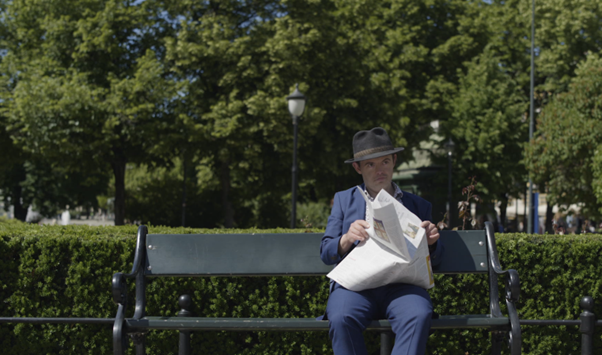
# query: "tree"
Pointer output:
{"type": "Point", "coordinates": [85, 86]}
{"type": "Point", "coordinates": [94, 86]}
{"type": "Point", "coordinates": [26, 179]}
{"type": "Point", "coordinates": [488, 126]}
{"type": "Point", "coordinates": [12, 174]}
{"type": "Point", "coordinates": [565, 31]}
{"type": "Point", "coordinates": [564, 152]}
{"type": "Point", "coordinates": [362, 64]}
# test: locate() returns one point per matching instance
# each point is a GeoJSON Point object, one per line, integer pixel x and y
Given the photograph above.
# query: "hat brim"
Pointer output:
{"type": "Point", "coordinates": [375, 155]}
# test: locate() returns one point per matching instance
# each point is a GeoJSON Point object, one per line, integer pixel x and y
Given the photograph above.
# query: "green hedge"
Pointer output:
{"type": "Point", "coordinates": [56, 271]}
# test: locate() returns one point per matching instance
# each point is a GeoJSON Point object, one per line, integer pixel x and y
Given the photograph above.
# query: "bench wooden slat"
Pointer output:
{"type": "Point", "coordinates": [465, 252]}
{"type": "Point", "coordinates": [235, 255]}
{"type": "Point", "coordinates": [246, 255]}
{"type": "Point", "coordinates": [297, 324]}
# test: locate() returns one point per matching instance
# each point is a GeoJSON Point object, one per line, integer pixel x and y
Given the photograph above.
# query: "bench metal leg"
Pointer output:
{"type": "Point", "coordinates": [515, 337]}
{"type": "Point", "coordinates": [120, 340]}
{"type": "Point", "coordinates": [140, 342]}
{"type": "Point", "coordinates": [497, 338]}
{"type": "Point", "coordinates": [386, 343]}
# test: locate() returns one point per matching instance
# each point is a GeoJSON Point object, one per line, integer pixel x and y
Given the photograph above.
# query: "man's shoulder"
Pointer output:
{"type": "Point", "coordinates": [347, 196]}
{"type": "Point", "coordinates": [415, 198]}
{"type": "Point", "coordinates": [350, 191]}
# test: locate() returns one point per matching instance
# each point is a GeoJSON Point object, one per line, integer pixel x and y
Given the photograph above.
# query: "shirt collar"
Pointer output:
{"type": "Point", "coordinates": [397, 194]}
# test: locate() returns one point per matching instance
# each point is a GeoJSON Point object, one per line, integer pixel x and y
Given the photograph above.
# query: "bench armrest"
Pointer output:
{"type": "Point", "coordinates": [140, 255]}
{"type": "Point", "coordinates": [119, 289]}
{"type": "Point", "coordinates": [512, 289]}
{"type": "Point", "coordinates": [119, 284]}
{"type": "Point", "coordinates": [512, 279]}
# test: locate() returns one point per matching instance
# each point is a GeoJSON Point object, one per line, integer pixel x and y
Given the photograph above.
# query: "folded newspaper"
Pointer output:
{"type": "Point", "coordinates": [395, 252]}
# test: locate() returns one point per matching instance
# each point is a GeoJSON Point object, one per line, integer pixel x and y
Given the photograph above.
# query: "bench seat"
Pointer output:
{"type": "Point", "coordinates": [297, 324]}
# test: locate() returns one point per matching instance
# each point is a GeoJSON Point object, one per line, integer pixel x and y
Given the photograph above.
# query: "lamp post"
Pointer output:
{"type": "Point", "coordinates": [184, 188]}
{"type": "Point", "coordinates": [531, 119]}
{"type": "Point", "coordinates": [296, 106]}
{"type": "Point", "coordinates": [449, 148]}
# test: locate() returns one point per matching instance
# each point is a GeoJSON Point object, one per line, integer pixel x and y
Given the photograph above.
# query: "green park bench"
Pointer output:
{"type": "Point", "coordinates": [203, 255]}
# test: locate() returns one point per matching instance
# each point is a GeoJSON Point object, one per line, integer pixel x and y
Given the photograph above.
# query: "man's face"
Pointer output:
{"type": "Point", "coordinates": [377, 172]}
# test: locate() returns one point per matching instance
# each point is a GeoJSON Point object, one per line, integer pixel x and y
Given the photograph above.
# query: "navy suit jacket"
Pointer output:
{"type": "Point", "coordinates": [349, 206]}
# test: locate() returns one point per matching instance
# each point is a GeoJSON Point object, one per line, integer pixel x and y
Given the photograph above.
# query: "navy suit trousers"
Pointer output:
{"type": "Point", "coordinates": [407, 307]}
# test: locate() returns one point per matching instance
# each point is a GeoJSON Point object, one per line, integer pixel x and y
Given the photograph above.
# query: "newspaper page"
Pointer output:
{"type": "Point", "coordinates": [395, 252]}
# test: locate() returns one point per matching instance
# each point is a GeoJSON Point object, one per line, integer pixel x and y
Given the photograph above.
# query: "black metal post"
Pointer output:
{"type": "Point", "coordinates": [294, 171]}
{"type": "Point", "coordinates": [139, 340]}
{"type": "Point", "coordinates": [184, 190]}
{"type": "Point", "coordinates": [449, 189]}
{"type": "Point", "coordinates": [588, 321]}
{"type": "Point", "coordinates": [531, 119]}
{"type": "Point", "coordinates": [185, 302]}
{"type": "Point", "coordinates": [386, 343]}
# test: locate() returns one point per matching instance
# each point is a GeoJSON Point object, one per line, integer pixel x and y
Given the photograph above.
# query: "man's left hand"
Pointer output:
{"type": "Point", "coordinates": [432, 233]}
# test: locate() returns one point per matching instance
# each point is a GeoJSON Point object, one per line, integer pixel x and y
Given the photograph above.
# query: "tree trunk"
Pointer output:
{"type": "Point", "coordinates": [119, 206]}
{"type": "Point", "coordinates": [503, 209]}
{"type": "Point", "coordinates": [19, 210]}
{"type": "Point", "coordinates": [549, 219]}
{"type": "Point", "coordinates": [226, 205]}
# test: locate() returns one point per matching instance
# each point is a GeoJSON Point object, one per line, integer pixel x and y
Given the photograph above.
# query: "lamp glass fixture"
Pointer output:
{"type": "Point", "coordinates": [450, 146]}
{"type": "Point", "coordinates": [296, 102]}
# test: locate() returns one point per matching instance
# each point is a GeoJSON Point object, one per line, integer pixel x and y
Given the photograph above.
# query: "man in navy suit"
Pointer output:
{"type": "Point", "coordinates": [407, 307]}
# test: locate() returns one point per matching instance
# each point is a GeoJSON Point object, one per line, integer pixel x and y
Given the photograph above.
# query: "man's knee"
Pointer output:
{"type": "Point", "coordinates": [345, 321]}
{"type": "Point", "coordinates": [423, 315]}
{"type": "Point", "coordinates": [420, 311]}
{"type": "Point", "coordinates": [413, 318]}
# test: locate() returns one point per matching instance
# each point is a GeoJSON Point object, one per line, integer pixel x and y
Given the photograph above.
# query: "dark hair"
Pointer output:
{"type": "Point", "coordinates": [358, 162]}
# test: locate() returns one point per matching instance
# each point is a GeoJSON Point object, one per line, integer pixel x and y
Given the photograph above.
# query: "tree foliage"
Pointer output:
{"type": "Point", "coordinates": [490, 106]}
{"type": "Point", "coordinates": [362, 64]}
{"type": "Point", "coordinates": [88, 92]}
{"type": "Point", "coordinates": [489, 126]}
{"type": "Point", "coordinates": [12, 173]}
{"type": "Point", "coordinates": [564, 154]}
{"type": "Point", "coordinates": [91, 87]}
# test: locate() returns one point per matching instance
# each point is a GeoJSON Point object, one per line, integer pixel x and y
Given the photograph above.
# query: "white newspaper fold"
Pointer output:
{"type": "Point", "coordinates": [395, 252]}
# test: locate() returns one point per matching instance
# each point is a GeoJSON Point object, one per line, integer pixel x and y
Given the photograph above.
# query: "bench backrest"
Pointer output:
{"type": "Point", "coordinates": [281, 254]}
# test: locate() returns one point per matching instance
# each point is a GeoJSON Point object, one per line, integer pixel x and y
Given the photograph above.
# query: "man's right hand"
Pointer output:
{"type": "Point", "coordinates": [357, 231]}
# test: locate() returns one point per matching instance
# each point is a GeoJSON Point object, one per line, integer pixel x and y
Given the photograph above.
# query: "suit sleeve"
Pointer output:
{"type": "Point", "coordinates": [437, 251]}
{"type": "Point", "coordinates": [428, 213]}
{"type": "Point", "coordinates": [329, 248]}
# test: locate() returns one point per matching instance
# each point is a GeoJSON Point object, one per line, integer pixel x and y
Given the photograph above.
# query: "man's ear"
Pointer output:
{"type": "Point", "coordinates": [394, 159]}
{"type": "Point", "coordinates": [356, 166]}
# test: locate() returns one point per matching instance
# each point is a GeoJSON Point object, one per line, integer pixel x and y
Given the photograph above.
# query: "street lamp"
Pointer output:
{"type": "Point", "coordinates": [296, 106]}
{"type": "Point", "coordinates": [531, 119]}
{"type": "Point", "coordinates": [449, 148]}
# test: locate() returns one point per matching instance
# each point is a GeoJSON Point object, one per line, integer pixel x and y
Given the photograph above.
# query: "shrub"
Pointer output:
{"type": "Point", "coordinates": [65, 271]}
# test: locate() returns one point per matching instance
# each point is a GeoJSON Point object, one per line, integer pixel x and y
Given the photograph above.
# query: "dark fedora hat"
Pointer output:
{"type": "Point", "coordinates": [372, 144]}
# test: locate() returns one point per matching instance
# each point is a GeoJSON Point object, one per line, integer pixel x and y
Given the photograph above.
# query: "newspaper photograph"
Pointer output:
{"type": "Point", "coordinates": [395, 252]}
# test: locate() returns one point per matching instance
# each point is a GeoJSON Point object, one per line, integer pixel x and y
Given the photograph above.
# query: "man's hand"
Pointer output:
{"type": "Point", "coordinates": [357, 231]}
{"type": "Point", "coordinates": [432, 233]}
